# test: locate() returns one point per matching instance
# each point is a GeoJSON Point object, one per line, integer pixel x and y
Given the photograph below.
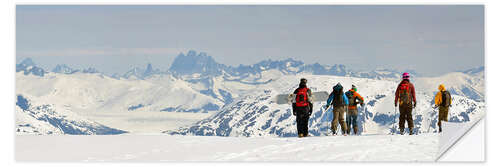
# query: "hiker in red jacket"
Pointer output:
{"type": "Point", "coordinates": [405, 97]}
{"type": "Point", "coordinates": [302, 108]}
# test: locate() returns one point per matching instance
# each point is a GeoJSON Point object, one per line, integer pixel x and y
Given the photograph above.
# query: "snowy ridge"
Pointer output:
{"type": "Point", "coordinates": [102, 93]}
{"type": "Point", "coordinates": [41, 119]}
{"type": "Point", "coordinates": [469, 85]}
{"type": "Point", "coordinates": [255, 114]}
{"type": "Point", "coordinates": [241, 97]}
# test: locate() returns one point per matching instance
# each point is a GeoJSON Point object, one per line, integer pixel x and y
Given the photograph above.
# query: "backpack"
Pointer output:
{"type": "Point", "coordinates": [446, 98]}
{"type": "Point", "coordinates": [350, 96]}
{"type": "Point", "coordinates": [338, 100]}
{"type": "Point", "coordinates": [405, 94]}
{"type": "Point", "coordinates": [301, 97]}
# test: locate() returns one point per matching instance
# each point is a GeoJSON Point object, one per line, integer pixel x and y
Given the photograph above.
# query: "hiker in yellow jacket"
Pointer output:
{"type": "Point", "coordinates": [443, 101]}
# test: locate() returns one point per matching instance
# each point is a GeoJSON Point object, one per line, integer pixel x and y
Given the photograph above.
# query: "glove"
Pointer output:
{"type": "Point", "coordinates": [414, 104]}
{"type": "Point", "coordinates": [310, 112]}
{"type": "Point", "coordinates": [326, 106]}
{"type": "Point", "coordinates": [294, 113]}
{"type": "Point", "coordinates": [395, 104]}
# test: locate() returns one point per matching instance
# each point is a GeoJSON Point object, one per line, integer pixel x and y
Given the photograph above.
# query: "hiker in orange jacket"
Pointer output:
{"type": "Point", "coordinates": [443, 101]}
{"type": "Point", "coordinates": [352, 110]}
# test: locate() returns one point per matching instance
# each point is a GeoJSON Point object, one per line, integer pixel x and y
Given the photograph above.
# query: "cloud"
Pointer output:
{"type": "Point", "coordinates": [103, 52]}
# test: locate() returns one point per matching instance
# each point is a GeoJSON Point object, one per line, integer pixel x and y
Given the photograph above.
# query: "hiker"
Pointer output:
{"type": "Point", "coordinates": [352, 110]}
{"type": "Point", "coordinates": [443, 101]}
{"type": "Point", "coordinates": [302, 107]}
{"type": "Point", "coordinates": [338, 100]}
{"type": "Point", "coordinates": [405, 97]}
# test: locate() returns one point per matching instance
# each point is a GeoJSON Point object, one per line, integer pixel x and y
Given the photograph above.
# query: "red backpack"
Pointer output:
{"type": "Point", "coordinates": [301, 98]}
{"type": "Point", "coordinates": [405, 94]}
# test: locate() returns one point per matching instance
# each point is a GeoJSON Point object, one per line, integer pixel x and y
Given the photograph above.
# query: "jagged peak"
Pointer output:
{"type": "Point", "coordinates": [28, 62]}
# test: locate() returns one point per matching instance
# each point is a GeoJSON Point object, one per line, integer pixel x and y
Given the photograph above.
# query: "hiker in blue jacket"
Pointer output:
{"type": "Point", "coordinates": [339, 101]}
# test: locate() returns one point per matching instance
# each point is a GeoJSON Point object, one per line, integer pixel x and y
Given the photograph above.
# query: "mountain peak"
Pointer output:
{"type": "Point", "coordinates": [90, 70]}
{"type": "Point", "coordinates": [196, 63]}
{"type": "Point", "coordinates": [64, 69]}
{"type": "Point", "coordinates": [28, 62]}
{"type": "Point", "coordinates": [141, 73]}
{"type": "Point", "coordinates": [149, 70]}
{"type": "Point", "coordinates": [29, 67]}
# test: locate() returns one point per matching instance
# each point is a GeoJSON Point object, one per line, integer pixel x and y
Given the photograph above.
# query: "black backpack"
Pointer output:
{"type": "Point", "coordinates": [446, 98]}
{"type": "Point", "coordinates": [338, 92]}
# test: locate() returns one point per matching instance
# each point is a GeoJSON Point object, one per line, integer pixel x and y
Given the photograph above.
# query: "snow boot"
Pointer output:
{"type": "Point", "coordinates": [411, 131]}
{"type": "Point", "coordinates": [402, 131]}
{"type": "Point", "coordinates": [355, 130]}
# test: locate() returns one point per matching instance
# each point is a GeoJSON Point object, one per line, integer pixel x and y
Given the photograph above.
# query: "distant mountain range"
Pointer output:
{"type": "Point", "coordinates": [241, 97]}
{"type": "Point", "coordinates": [195, 64]}
{"type": "Point", "coordinates": [203, 65]}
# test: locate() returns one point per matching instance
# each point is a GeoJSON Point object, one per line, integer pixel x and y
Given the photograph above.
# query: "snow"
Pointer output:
{"type": "Point", "coordinates": [146, 122]}
{"type": "Point", "coordinates": [159, 148]}
{"type": "Point", "coordinates": [96, 93]}
{"type": "Point", "coordinates": [94, 103]}
{"type": "Point", "coordinates": [255, 113]}
{"type": "Point", "coordinates": [135, 105]}
{"type": "Point", "coordinates": [472, 86]}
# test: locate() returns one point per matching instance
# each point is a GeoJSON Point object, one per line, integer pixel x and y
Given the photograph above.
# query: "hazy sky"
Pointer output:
{"type": "Point", "coordinates": [430, 39]}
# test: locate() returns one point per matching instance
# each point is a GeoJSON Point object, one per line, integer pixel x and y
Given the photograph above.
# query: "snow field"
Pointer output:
{"type": "Point", "coordinates": [210, 148]}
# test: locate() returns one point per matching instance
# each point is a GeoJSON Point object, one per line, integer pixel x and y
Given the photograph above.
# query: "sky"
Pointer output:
{"type": "Point", "coordinates": [431, 39]}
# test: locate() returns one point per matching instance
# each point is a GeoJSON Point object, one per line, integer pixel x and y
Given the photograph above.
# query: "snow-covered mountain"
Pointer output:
{"type": "Point", "coordinates": [474, 71]}
{"type": "Point", "coordinates": [201, 65]}
{"type": "Point", "coordinates": [139, 73]}
{"type": "Point", "coordinates": [241, 97]}
{"type": "Point", "coordinates": [90, 70]}
{"type": "Point", "coordinates": [467, 84]}
{"type": "Point", "coordinates": [64, 69]}
{"type": "Point", "coordinates": [40, 119]}
{"type": "Point", "coordinates": [101, 93]}
{"type": "Point", "coordinates": [255, 114]}
{"type": "Point", "coordinates": [27, 66]}
{"type": "Point", "coordinates": [209, 77]}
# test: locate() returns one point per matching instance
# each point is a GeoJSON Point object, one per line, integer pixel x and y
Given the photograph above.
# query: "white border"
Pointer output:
{"type": "Point", "coordinates": [7, 44]}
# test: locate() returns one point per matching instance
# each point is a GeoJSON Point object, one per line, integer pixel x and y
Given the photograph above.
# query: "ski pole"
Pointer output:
{"type": "Point", "coordinates": [394, 122]}
{"type": "Point", "coordinates": [430, 120]}
{"type": "Point", "coordinates": [364, 117]}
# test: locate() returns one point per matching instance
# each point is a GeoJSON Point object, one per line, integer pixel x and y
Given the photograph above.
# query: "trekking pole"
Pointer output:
{"type": "Point", "coordinates": [430, 119]}
{"type": "Point", "coordinates": [394, 122]}
{"type": "Point", "coordinates": [364, 116]}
